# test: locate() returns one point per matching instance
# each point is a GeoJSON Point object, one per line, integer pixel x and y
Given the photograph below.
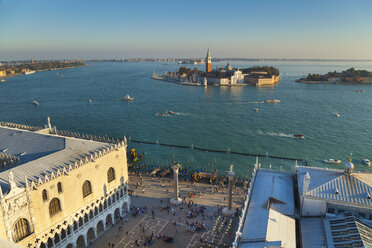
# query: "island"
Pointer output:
{"type": "Point", "coordinates": [13, 69]}
{"type": "Point", "coordinates": [222, 76]}
{"type": "Point", "coordinates": [350, 76]}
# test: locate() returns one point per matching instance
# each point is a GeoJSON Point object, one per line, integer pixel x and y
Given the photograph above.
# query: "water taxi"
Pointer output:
{"type": "Point", "coordinates": [300, 136]}
{"type": "Point", "coordinates": [332, 161]}
{"type": "Point", "coordinates": [127, 98]}
{"type": "Point", "coordinates": [366, 161]}
{"type": "Point", "coordinates": [336, 114]}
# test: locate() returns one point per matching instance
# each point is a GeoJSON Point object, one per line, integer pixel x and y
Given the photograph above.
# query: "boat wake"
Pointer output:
{"type": "Point", "coordinates": [284, 135]}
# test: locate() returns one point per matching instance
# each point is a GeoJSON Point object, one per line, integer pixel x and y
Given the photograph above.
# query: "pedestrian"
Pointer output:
{"type": "Point", "coordinates": [109, 244]}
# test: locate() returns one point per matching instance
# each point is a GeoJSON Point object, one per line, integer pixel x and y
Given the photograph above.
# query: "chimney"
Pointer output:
{"type": "Point", "coordinates": [306, 183]}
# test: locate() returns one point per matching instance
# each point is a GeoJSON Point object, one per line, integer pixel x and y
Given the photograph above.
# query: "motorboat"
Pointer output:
{"type": "Point", "coordinates": [256, 109]}
{"type": "Point", "coordinates": [90, 100]}
{"type": "Point", "coordinates": [170, 113]}
{"type": "Point", "coordinates": [336, 114]}
{"type": "Point", "coordinates": [366, 161]}
{"type": "Point", "coordinates": [332, 161]}
{"type": "Point", "coordinates": [127, 98]}
{"type": "Point", "coordinates": [272, 101]}
{"type": "Point", "coordinates": [300, 136]}
{"type": "Point", "coordinates": [35, 103]}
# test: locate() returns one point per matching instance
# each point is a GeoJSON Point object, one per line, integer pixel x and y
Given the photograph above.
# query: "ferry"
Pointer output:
{"type": "Point", "coordinates": [127, 98]}
{"type": "Point", "coordinates": [332, 161]}
{"type": "Point", "coordinates": [272, 101]}
{"type": "Point", "coordinates": [29, 72]}
{"type": "Point", "coordinates": [366, 161]}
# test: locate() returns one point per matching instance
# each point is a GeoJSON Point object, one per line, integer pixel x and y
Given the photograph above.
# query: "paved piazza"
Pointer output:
{"type": "Point", "coordinates": [154, 194]}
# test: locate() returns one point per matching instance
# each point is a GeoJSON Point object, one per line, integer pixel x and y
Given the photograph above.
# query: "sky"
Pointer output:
{"type": "Point", "coordinates": [88, 29]}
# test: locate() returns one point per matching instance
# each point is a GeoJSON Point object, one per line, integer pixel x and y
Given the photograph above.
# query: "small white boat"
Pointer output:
{"type": "Point", "coordinates": [366, 161]}
{"type": "Point", "coordinates": [127, 98]}
{"type": "Point", "coordinates": [90, 100]}
{"type": "Point", "coordinates": [272, 101]}
{"type": "Point", "coordinates": [336, 114]}
{"type": "Point", "coordinates": [2, 80]}
{"type": "Point", "coordinates": [332, 161]}
{"type": "Point", "coordinates": [256, 109]}
{"type": "Point", "coordinates": [35, 103]}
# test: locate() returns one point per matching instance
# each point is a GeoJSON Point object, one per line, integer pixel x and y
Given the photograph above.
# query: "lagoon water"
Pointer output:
{"type": "Point", "coordinates": [213, 117]}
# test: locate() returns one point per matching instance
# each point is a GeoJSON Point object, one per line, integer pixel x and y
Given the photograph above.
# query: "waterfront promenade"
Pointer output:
{"type": "Point", "coordinates": [155, 216]}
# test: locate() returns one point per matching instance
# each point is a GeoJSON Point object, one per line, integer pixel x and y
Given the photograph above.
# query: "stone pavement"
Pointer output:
{"type": "Point", "coordinates": [154, 194]}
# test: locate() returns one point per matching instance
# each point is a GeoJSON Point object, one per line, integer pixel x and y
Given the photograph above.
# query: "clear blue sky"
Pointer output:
{"type": "Point", "coordinates": [47, 29]}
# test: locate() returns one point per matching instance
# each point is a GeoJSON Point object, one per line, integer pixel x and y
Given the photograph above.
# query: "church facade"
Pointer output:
{"type": "Point", "coordinates": [60, 189]}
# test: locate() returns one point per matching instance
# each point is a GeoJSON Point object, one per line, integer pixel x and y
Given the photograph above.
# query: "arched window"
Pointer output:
{"type": "Point", "coordinates": [45, 195]}
{"type": "Point", "coordinates": [59, 187]}
{"type": "Point", "coordinates": [54, 206]}
{"type": "Point", "coordinates": [110, 174]}
{"type": "Point", "coordinates": [21, 229]}
{"type": "Point", "coordinates": [87, 188]}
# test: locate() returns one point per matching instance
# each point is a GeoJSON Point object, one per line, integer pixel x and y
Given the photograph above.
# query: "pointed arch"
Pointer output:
{"type": "Point", "coordinates": [54, 206]}
{"type": "Point", "coordinates": [44, 194]}
{"type": "Point", "coordinates": [21, 229]}
{"type": "Point", "coordinates": [87, 188]}
{"type": "Point", "coordinates": [110, 174]}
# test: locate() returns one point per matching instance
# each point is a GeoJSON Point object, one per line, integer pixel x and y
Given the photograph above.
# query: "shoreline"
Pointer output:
{"type": "Point", "coordinates": [326, 82]}
{"type": "Point", "coordinates": [54, 69]}
{"type": "Point", "coordinates": [195, 84]}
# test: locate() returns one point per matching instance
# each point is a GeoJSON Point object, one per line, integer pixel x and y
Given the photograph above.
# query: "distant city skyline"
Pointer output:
{"type": "Point", "coordinates": [94, 29]}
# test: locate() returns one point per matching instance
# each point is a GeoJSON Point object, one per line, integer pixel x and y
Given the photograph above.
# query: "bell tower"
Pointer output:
{"type": "Point", "coordinates": [208, 64]}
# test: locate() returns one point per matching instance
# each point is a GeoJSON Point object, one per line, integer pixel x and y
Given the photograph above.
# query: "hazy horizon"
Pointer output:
{"type": "Point", "coordinates": [287, 29]}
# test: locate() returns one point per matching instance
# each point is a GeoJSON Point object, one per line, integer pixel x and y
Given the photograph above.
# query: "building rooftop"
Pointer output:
{"type": "Point", "coordinates": [347, 231]}
{"type": "Point", "coordinates": [41, 154]}
{"type": "Point", "coordinates": [266, 221]}
{"type": "Point", "coordinates": [312, 232]}
{"type": "Point", "coordinates": [335, 186]}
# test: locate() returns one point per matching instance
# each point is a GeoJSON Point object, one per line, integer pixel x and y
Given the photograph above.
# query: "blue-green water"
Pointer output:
{"type": "Point", "coordinates": [213, 117]}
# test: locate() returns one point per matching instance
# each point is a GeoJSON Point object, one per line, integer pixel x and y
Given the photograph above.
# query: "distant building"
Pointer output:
{"type": "Point", "coordinates": [261, 78]}
{"type": "Point", "coordinates": [59, 191]}
{"type": "Point", "coordinates": [208, 64]}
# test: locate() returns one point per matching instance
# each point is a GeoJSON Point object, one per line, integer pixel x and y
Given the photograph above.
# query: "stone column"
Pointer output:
{"type": "Point", "coordinates": [176, 199]}
{"type": "Point", "coordinates": [228, 210]}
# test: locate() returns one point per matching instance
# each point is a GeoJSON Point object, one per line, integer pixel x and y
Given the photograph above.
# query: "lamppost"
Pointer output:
{"type": "Point", "coordinates": [176, 199]}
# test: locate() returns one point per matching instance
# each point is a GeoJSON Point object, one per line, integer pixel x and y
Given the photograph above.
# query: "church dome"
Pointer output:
{"type": "Point", "coordinates": [349, 165]}
{"type": "Point", "coordinates": [349, 168]}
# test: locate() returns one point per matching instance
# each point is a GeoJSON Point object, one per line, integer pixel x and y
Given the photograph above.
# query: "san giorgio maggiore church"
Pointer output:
{"type": "Point", "coordinates": [59, 189]}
